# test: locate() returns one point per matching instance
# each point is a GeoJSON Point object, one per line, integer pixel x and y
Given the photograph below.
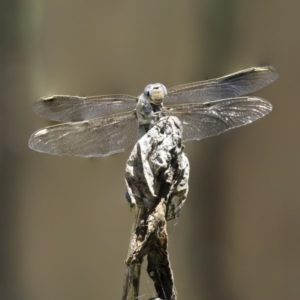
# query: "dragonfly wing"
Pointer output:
{"type": "Point", "coordinates": [233, 85]}
{"type": "Point", "coordinates": [93, 138]}
{"type": "Point", "coordinates": [212, 118]}
{"type": "Point", "coordinates": [72, 108]}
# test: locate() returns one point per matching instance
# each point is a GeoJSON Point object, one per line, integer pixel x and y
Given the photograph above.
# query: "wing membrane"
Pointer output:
{"type": "Point", "coordinates": [233, 85]}
{"type": "Point", "coordinates": [72, 108]}
{"type": "Point", "coordinates": [93, 138]}
{"type": "Point", "coordinates": [212, 118]}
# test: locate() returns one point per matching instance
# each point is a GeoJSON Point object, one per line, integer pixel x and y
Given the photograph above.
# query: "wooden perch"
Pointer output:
{"type": "Point", "coordinates": [157, 173]}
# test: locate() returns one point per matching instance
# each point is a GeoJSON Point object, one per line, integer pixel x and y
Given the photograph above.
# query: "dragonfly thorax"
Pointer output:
{"type": "Point", "coordinates": [150, 102]}
{"type": "Point", "coordinates": [149, 105]}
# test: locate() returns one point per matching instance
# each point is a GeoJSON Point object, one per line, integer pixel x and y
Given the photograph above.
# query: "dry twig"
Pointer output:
{"type": "Point", "coordinates": [157, 174]}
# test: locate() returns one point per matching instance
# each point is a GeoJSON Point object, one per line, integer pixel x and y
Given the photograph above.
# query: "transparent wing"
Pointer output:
{"type": "Point", "coordinates": [212, 118]}
{"type": "Point", "coordinates": [233, 85]}
{"type": "Point", "coordinates": [97, 137]}
{"type": "Point", "coordinates": [72, 108]}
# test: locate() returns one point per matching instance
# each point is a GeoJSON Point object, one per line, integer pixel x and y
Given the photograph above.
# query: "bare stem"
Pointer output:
{"type": "Point", "coordinates": [157, 174]}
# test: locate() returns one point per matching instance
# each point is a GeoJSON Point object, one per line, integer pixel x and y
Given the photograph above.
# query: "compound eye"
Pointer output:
{"type": "Point", "coordinates": [147, 90]}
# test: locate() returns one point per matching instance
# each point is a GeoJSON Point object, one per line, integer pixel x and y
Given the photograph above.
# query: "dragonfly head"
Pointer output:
{"type": "Point", "coordinates": [155, 92]}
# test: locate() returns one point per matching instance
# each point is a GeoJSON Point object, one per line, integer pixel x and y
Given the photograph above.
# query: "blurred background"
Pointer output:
{"type": "Point", "coordinates": [64, 223]}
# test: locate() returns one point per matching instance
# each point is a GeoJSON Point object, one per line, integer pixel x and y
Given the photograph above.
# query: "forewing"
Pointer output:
{"type": "Point", "coordinates": [233, 85]}
{"type": "Point", "coordinates": [93, 138]}
{"type": "Point", "coordinates": [72, 108]}
{"type": "Point", "coordinates": [212, 118]}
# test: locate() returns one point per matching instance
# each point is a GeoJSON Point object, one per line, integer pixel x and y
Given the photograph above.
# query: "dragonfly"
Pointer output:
{"type": "Point", "coordinates": [103, 125]}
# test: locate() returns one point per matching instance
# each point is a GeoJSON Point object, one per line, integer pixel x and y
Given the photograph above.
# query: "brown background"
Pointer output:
{"type": "Point", "coordinates": [64, 224]}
